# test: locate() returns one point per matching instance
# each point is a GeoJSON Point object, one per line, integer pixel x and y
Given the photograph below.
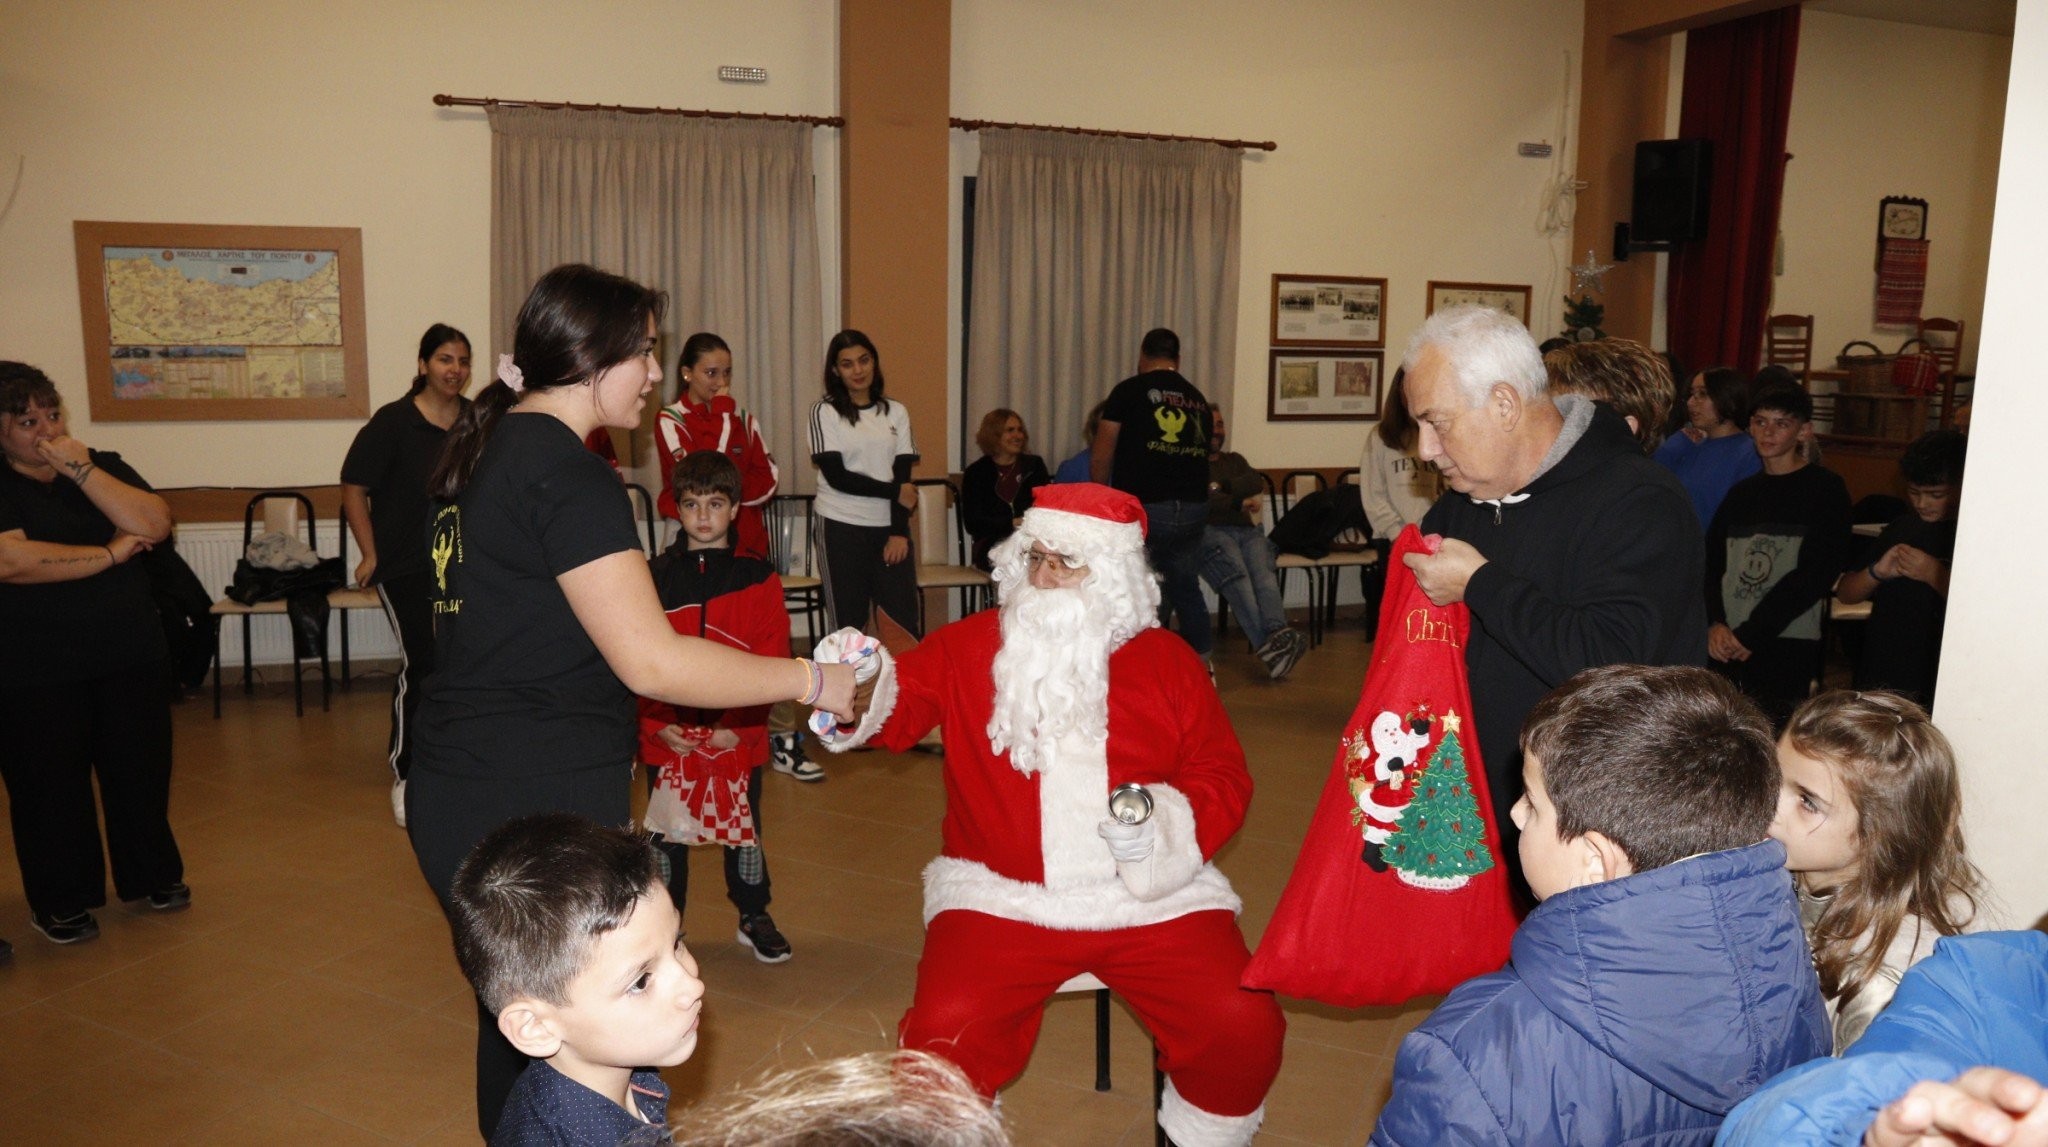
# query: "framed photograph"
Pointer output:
{"type": "Point", "coordinates": [189, 322]}
{"type": "Point", "coordinates": [1329, 310]}
{"type": "Point", "coordinates": [1500, 296]}
{"type": "Point", "coordinates": [1323, 385]}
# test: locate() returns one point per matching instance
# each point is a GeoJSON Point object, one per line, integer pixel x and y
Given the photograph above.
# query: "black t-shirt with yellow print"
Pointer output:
{"type": "Point", "coordinates": [1162, 442]}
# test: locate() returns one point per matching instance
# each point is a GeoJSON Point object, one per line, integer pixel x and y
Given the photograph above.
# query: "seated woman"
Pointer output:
{"type": "Point", "coordinates": [996, 489]}
{"type": "Point", "coordinates": [1712, 452]}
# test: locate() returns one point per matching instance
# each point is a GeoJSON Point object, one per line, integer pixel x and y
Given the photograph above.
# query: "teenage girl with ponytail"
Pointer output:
{"type": "Point", "coordinates": [548, 622]}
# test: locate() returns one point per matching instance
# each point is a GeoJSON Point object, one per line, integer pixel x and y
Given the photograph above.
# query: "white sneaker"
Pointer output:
{"type": "Point", "coordinates": [398, 801]}
{"type": "Point", "coordinates": [786, 755]}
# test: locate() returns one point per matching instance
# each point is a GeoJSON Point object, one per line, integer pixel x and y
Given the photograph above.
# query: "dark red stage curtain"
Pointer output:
{"type": "Point", "coordinates": [1738, 93]}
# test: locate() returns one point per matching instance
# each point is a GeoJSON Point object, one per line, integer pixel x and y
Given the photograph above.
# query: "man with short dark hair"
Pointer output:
{"type": "Point", "coordinates": [1571, 549]}
{"type": "Point", "coordinates": [1153, 443]}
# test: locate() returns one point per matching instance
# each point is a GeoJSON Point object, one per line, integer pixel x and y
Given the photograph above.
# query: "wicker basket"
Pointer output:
{"type": "Point", "coordinates": [1866, 373]}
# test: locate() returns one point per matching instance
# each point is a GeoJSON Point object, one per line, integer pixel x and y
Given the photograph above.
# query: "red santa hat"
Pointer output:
{"type": "Point", "coordinates": [1085, 517]}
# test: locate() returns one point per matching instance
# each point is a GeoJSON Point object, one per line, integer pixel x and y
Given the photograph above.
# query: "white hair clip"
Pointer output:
{"type": "Point", "coordinates": [510, 374]}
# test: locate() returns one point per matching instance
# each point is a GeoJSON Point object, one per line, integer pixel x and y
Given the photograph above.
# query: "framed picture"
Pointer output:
{"type": "Point", "coordinates": [1329, 310]}
{"type": "Point", "coordinates": [188, 322]}
{"type": "Point", "coordinates": [1323, 385]}
{"type": "Point", "coordinates": [1500, 296]}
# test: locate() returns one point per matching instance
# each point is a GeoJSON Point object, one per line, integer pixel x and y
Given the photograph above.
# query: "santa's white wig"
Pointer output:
{"type": "Point", "coordinates": [1052, 673]}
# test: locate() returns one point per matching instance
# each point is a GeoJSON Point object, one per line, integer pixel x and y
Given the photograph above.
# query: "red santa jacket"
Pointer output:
{"type": "Point", "coordinates": [734, 601]}
{"type": "Point", "coordinates": [720, 425]}
{"type": "Point", "coordinates": [1025, 847]}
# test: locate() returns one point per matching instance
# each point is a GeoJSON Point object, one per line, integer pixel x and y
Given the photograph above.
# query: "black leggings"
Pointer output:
{"type": "Point", "coordinates": [116, 727]}
{"type": "Point", "coordinates": [858, 585]}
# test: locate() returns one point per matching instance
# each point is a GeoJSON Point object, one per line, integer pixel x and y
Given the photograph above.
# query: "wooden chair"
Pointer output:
{"type": "Point", "coordinates": [933, 522]}
{"type": "Point", "coordinates": [297, 510]}
{"type": "Point", "coordinates": [788, 518]}
{"type": "Point", "coordinates": [1788, 342]}
{"type": "Point", "coordinates": [349, 598]}
{"type": "Point", "coordinates": [1943, 338]}
{"type": "Point", "coordinates": [1292, 485]}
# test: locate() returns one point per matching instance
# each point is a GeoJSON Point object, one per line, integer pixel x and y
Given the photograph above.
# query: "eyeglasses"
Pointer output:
{"type": "Point", "coordinates": [1063, 566]}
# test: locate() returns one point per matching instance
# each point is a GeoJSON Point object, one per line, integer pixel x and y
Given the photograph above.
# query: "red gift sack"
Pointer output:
{"type": "Point", "coordinates": [1399, 890]}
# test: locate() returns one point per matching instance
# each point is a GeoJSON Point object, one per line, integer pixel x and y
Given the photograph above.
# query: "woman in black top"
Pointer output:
{"type": "Point", "coordinates": [996, 488]}
{"type": "Point", "coordinates": [548, 622]}
{"type": "Point", "coordinates": [384, 497]}
{"type": "Point", "coordinates": [83, 687]}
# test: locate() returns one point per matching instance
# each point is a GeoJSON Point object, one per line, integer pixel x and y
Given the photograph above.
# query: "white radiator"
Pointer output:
{"type": "Point", "coordinates": [212, 548]}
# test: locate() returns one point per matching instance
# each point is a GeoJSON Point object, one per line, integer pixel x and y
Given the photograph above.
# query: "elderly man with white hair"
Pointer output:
{"type": "Point", "coordinates": [1067, 700]}
{"type": "Point", "coordinates": [1570, 547]}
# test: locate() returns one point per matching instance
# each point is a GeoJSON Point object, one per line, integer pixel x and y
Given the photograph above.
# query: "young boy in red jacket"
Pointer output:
{"type": "Point", "coordinates": [705, 765]}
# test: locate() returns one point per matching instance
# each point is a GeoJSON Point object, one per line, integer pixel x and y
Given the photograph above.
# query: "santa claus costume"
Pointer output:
{"type": "Point", "coordinates": [1047, 705]}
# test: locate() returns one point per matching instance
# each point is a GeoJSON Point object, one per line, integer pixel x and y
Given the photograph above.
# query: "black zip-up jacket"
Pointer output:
{"type": "Point", "coordinates": [1598, 561]}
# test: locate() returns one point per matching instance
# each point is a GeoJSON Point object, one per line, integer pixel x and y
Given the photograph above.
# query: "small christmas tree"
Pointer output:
{"type": "Point", "coordinates": [1442, 842]}
{"type": "Point", "coordinates": [1582, 319]}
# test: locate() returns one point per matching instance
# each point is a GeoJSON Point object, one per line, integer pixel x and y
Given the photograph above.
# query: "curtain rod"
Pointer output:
{"type": "Point", "coordinates": [548, 105]}
{"type": "Point", "coordinates": [1240, 144]}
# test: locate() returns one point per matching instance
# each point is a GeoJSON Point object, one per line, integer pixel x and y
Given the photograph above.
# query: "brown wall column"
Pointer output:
{"type": "Point", "coordinates": [895, 90]}
{"type": "Point", "coordinates": [1624, 79]}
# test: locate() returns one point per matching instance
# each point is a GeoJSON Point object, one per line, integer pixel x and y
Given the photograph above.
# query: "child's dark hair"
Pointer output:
{"type": "Point", "coordinates": [23, 386]}
{"type": "Point", "coordinates": [835, 390]}
{"type": "Point", "coordinates": [1667, 762]}
{"type": "Point", "coordinates": [1728, 389]}
{"type": "Point", "coordinates": [532, 898]}
{"type": "Point", "coordinates": [1934, 459]}
{"type": "Point", "coordinates": [1785, 398]}
{"type": "Point", "coordinates": [702, 472]}
{"type": "Point", "coordinates": [577, 322]}
{"type": "Point", "coordinates": [437, 336]}
{"type": "Point", "coordinates": [1900, 774]}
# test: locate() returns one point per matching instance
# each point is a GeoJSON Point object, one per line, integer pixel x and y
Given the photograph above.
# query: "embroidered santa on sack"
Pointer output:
{"type": "Point", "coordinates": [1398, 891]}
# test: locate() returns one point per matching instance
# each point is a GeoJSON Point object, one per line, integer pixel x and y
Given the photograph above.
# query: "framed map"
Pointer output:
{"type": "Point", "coordinates": [192, 322]}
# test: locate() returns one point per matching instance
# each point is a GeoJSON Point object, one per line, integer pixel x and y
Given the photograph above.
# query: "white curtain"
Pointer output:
{"type": "Point", "coordinates": [718, 213]}
{"type": "Point", "coordinates": [1081, 245]}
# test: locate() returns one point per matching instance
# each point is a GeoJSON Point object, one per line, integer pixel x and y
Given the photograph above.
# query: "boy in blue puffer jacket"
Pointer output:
{"type": "Point", "coordinates": [1664, 976]}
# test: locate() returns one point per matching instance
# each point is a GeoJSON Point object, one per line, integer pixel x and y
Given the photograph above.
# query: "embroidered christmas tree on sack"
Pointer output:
{"type": "Point", "coordinates": [1443, 843]}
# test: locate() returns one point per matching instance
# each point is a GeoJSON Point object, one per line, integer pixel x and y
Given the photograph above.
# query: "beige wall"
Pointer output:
{"type": "Point", "coordinates": [1995, 660]}
{"type": "Point", "coordinates": [1397, 123]}
{"type": "Point", "coordinates": [1882, 108]}
{"type": "Point", "coordinates": [207, 111]}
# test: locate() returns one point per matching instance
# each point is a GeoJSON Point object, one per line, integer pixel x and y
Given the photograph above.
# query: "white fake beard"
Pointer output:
{"type": "Point", "coordinates": [1052, 673]}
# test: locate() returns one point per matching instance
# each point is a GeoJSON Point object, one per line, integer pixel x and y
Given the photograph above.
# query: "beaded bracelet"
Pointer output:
{"type": "Point", "coordinates": [817, 688]}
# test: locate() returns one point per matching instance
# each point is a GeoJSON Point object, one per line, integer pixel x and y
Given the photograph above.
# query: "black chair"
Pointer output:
{"type": "Point", "coordinates": [228, 607]}
{"type": "Point", "coordinates": [1281, 497]}
{"type": "Point", "coordinates": [645, 515]}
{"type": "Point", "coordinates": [788, 518]}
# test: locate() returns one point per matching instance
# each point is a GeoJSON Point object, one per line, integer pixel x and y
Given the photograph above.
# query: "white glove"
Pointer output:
{"type": "Point", "coordinates": [1128, 843]}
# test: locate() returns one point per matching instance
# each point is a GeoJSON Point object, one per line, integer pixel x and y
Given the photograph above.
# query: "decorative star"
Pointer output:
{"type": "Point", "coordinates": [1453, 722]}
{"type": "Point", "coordinates": [1586, 276]}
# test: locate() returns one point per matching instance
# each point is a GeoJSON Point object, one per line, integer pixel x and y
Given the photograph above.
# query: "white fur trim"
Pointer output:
{"type": "Point", "coordinates": [1080, 535]}
{"type": "Point", "coordinates": [952, 883]}
{"type": "Point", "coordinates": [1176, 855]}
{"type": "Point", "coordinates": [1190, 1126]}
{"type": "Point", "coordinates": [880, 705]}
{"type": "Point", "coordinates": [1073, 797]}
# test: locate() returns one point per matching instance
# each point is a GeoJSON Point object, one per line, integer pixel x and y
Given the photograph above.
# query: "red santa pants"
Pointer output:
{"type": "Point", "coordinates": [983, 981]}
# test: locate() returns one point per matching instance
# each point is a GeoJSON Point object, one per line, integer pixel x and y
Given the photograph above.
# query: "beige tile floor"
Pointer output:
{"type": "Point", "coordinates": [310, 995]}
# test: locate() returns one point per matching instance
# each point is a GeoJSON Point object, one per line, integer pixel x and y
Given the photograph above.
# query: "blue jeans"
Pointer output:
{"type": "Point", "coordinates": [1173, 540]}
{"type": "Point", "coordinates": [1238, 562]}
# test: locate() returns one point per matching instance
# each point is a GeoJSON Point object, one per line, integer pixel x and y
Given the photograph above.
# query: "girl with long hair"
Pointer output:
{"type": "Point", "coordinates": [548, 618]}
{"type": "Point", "coordinates": [1395, 484]}
{"type": "Point", "coordinates": [384, 498]}
{"type": "Point", "coordinates": [1713, 451]}
{"type": "Point", "coordinates": [862, 447]}
{"type": "Point", "coordinates": [1870, 815]}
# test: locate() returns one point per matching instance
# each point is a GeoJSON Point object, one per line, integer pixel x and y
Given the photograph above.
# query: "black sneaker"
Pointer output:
{"type": "Point", "coordinates": [73, 929]}
{"type": "Point", "coordinates": [171, 899]}
{"type": "Point", "coordinates": [786, 755]}
{"type": "Point", "coordinates": [1288, 645]}
{"type": "Point", "coordinates": [760, 934]}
